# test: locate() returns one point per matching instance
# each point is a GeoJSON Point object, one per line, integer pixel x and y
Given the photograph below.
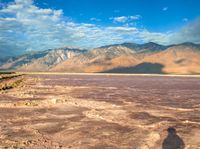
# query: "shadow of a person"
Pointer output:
{"type": "Point", "coordinates": [172, 141]}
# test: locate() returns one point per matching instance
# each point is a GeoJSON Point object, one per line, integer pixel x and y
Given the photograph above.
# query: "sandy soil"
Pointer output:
{"type": "Point", "coordinates": [101, 112]}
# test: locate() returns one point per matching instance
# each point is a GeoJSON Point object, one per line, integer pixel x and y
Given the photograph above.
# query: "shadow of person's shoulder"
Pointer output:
{"type": "Point", "coordinates": [173, 141]}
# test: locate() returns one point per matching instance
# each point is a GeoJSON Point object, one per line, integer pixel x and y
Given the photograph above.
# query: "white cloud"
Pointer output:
{"type": "Point", "coordinates": [95, 19]}
{"type": "Point", "coordinates": [135, 17]}
{"type": "Point", "coordinates": [189, 33]}
{"type": "Point", "coordinates": [124, 19]}
{"type": "Point", "coordinates": [161, 38]}
{"type": "Point", "coordinates": [165, 9]}
{"type": "Point", "coordinates": [185, 19]}
{"type": "Point", "coordinates": [25, 26]}
{"type": "Point", "coordinates": [123, 29]}
{"type": "Point", "coordinates": [121, 19]}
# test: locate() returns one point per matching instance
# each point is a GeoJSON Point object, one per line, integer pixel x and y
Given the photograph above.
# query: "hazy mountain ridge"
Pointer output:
{"type": "Point", "coordinates": [147, 47]}
{"type": "Point", "coordinates": [181, 59]}
{"type": "Point", "coordinates": [119, 58]}
{"type": "Point", "coordinates": [40, 60]}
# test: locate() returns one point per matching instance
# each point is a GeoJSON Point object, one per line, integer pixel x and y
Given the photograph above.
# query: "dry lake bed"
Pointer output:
{"type": "Point", "coordinates": [68, 111]}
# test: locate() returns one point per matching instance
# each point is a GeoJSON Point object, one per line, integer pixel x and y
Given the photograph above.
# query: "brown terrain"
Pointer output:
{"type": "Point", "coordinates": [177, 59]}
{"type": "Point", "coordinates": [68, 111]}
{"type": "Point", "coordinates": [148, 58]}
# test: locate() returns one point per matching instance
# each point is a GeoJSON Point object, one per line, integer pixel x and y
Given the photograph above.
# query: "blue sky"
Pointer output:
{"type": "Point", "coordinates": [157, 15]}
{"type": "Point", "coordinates": [27, 25]}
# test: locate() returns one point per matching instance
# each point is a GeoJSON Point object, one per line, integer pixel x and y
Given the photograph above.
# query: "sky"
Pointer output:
{"type": "Point", "coordinates": [28, 25]}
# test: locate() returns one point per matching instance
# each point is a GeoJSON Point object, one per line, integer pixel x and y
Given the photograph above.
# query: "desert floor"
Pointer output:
{"type": "Point", "coordinates": [71, 111]}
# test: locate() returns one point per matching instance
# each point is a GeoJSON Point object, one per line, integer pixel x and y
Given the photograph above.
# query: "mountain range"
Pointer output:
{"type": "Point", "coordinates": [118, 58]}
{"type": "Point", "coordinates": [40, 60]}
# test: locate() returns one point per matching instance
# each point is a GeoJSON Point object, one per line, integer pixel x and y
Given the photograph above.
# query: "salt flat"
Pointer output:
{"type": "Point", "coordinates": [100, 111]}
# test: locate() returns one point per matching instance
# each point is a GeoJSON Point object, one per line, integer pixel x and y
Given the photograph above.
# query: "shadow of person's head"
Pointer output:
{"type": "Point", "coordinates": [172, 141]}
{"type": "Point", "coordinates": [171, 131]}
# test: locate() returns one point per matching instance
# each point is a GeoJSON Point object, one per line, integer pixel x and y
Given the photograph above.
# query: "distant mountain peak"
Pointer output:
{"type": "Point", "coordinates": [152, 44]}
{"type": "Point", "coordinates": [41, 60]}
{"type": "Point", "coordinates": [180, 58]}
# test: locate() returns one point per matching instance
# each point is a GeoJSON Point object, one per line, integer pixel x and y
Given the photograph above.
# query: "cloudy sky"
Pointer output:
{"type": "Point", "coordinates": [27, 25]}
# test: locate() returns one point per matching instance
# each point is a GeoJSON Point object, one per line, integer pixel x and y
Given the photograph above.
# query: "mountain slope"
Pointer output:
{"type": "Point", "coordinates": [42, 60]}
{"type": "Point", "coordinates": [132, 58]}
{"type": "Point", "coordinates": [180, 59]}
{"type": "Point", "coordinates": [140, 48]}
{"type": "Point", "coordinates": [98, 60]}
{"type": "Point", "coordinates": [109, 57]}
{"type": "Point", "coordinates": [119, 58]}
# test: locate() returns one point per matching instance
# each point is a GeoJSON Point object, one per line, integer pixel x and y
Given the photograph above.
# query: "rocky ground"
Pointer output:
{"type": "Point", "coordinates": [100, 112]}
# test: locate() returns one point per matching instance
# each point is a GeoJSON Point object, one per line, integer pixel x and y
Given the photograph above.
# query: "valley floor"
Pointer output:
{"type": "Point", "coordinates": [71, 111]}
